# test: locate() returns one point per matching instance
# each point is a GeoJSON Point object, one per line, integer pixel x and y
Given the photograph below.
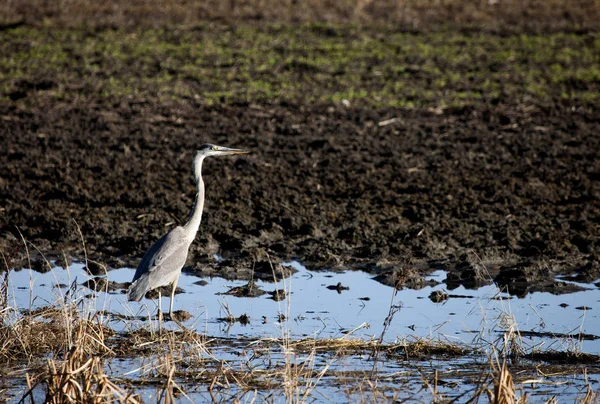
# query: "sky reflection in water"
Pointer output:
{"type": "Point", "coordinates": [312, 310]}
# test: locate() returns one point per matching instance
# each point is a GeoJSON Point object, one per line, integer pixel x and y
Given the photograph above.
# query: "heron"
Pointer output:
{"type": "Point", "coordinates": [162, 263]}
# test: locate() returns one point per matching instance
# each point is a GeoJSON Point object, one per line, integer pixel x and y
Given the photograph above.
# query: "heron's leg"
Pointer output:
{"type": "Point", "coordinates": [160, 314]}
{"type": "Point", "coordinates": [174, 286]}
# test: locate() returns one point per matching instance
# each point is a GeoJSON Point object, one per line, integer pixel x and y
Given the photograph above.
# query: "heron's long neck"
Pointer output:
{"type": "Point", "coordinates": [195, 217]}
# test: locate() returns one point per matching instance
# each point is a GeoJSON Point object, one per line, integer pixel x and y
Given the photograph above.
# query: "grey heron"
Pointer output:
{"type": "Point", "coordinates": [162, 263]}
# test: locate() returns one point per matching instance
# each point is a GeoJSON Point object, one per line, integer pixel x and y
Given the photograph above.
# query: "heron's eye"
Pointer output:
{"type": "Point", "coordinates": [214, 148]}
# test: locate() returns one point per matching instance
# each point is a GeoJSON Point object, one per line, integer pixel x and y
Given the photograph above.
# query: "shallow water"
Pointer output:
{"type": "Point", "coordinates": [312, 310]}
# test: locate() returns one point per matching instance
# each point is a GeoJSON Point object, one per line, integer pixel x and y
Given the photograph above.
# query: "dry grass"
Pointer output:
{"type": "Point", "coordinates": [411, 14]}
{"type": "Point", "coordinates": [410, 348]}
{"type": "Point", "coordinates": [80, 376]}
{"type": "Point", "coordinates": [504, 387]}
{"type": "Point", "coordinates": [83, 346]}
{"type": "Point", "coordinates": [49, 330]}
{"type": "Point", "coordinates": [591, 396]}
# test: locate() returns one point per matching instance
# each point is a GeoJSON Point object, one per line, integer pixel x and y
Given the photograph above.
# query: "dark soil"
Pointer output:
{"type": "Point", "coordinates": [465, 190]}
{"type": "Point", "coordinates": [499, 191]}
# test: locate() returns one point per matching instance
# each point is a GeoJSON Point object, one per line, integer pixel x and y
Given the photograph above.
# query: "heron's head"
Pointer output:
{"type": "Point", "coordinates": [214, 150]}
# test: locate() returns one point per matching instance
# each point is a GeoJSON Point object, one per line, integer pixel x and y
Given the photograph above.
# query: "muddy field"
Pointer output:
{"type": "Point", "coordinates": [371, 148]}
{"type": "Point", "coordinates": [431, 144]}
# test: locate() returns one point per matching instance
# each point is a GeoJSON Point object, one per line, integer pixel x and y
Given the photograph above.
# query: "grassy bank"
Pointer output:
{"type": "Point", "coordinates": [373, 67]}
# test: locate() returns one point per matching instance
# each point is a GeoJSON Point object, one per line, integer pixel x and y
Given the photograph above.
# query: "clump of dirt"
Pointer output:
{"type": "Point", "coordinates": [104, 285]}
{"type": "Point", "coordinates": [181, 315]}
{"type": "Point", "coordinates": [401, 277]}
{"type": "Point", "coordinates": [250, 289]}
{"type": "Point", "coordinates": [278, 294]}
{"type": "Point", "coordinates": [244, 319]}
{"type": "Point", "coordinates": [438, 296]}
{"type": "Point", "coordinates": [338, 287]}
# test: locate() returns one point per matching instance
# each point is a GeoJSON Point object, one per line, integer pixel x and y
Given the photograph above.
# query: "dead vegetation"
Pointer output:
{"type": "Point", "coordinates": [504, 387]}
{"type": "Point", "coordinates": [78, 378]}
{"type": "Point", "coordinates": [78, 349]}
{"type": "Point", "coordinates": [74, 347]}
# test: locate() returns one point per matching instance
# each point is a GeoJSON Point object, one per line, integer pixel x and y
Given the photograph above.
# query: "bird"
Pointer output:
{"type": "Point", "coordinates": [162, 263]}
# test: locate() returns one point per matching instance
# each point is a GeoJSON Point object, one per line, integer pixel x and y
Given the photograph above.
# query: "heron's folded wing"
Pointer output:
{"type": "Point", "coordinates": [169, 251]}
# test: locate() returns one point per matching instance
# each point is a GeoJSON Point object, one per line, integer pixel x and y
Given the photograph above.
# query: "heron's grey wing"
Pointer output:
{"type": "Point", "coordinates": [161, 264]}
{"type": "Point", "coordinates": [169, 248]}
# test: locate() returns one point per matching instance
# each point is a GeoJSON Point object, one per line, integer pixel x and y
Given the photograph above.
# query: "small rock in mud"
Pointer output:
{"type": "Point", "coordinates": [248, 290]}
{"type": "Point", "coordinates": [339, 287]}
{"type": "Point", "coordinates": [563, 305]}
{"type": "Point", "coordinates": [438, 296]}
{"type": "Point", "coordinates": [244, 319]}
{"type": "Point", "coordinates": [366, 299]}
{"type": "Point", "coordinates": [201, 283]}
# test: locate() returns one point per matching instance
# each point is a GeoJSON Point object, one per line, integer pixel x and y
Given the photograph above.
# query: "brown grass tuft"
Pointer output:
{"type": "Point", "coordinates": [504, 387]}
{"type": "Point", "coordinates": [80, 376]}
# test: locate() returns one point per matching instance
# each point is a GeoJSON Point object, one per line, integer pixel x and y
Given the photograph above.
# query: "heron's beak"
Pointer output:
{"type": "Point", "coordinates": [224, 151]}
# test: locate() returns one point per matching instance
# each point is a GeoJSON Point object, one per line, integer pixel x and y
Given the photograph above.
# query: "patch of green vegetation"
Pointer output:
{"type": "Point", "coordinates": [302, 64]}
